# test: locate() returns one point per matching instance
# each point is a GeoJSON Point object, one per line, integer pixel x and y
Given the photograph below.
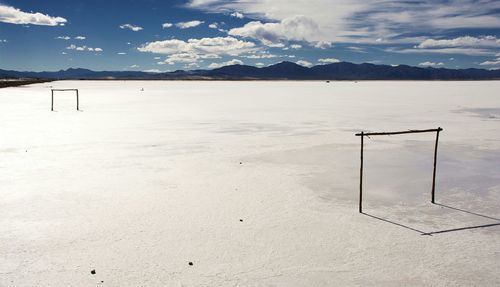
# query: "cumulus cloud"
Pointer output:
{"type": "Point", "coordinates": [296, 46]}
{"type": "Point", "coordinates": [13, 15]}
{"type": "Point", "coordinates": [80, 38]}
{"type": "Point", "coordinates": [228, 63]}
{"type": "Point", "coordinates": [190, 24]}
{"type": "Point", "coordinates": [217, 45]}
{"type": "Point", "coordinates": [296, 28]}
{"type": "Point", "coordinates": [214, 26]}
{"type": "Point", "coordinates": [328, 60]}
{"type": "Point", "coordinates": [237, 15]}
{"type": "Point", "coordinates": [430, 64]}
{"type": "Point", "coordinates": [167, 25]}
{"type": "Point", "coordinates": [3, 41]}
{"type": "Point", "coordinates": [131, 27]}
{"type": "Point", "coordinates": [304, 63]}
{"type": "Point", "coordinates": [63, 38]}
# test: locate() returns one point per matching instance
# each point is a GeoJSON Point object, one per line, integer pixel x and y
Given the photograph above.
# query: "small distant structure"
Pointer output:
{"type": "Point", "coordinates": [327, 82]}
{"type": "Point", "coordinates": [142, 89]}
{"type": "Point", "coordinates": [363, 135]}
{"type": "Point", "coordinates": [65, 90]}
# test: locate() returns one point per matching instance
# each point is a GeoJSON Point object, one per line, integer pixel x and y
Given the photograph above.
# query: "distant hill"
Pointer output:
{"type": "Point", "coordinates": [280, 71]}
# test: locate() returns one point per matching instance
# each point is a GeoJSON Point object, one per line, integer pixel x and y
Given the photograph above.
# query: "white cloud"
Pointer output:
{"type": "Point", "coordinates": [181, 58]}
{"type": "Point", "coordinates": [131, 27]}
{"type": "Point", "coordinates": [63, 38]}
{"type": "Point", "coordinates": [13, 15]}
{"type": "Point", "coordinates": [296, 46]}
{"type": "Point", "coordinates": [430, 64]}
{"type": "Point", "coordinates": [237, 15]}
{"type": "Point", "coordinates": [122, 53]}
{"type": "Point", "coordinates": [357, 49]}
{"type": "Point", "coordinates": [465, 41]}
{"type": "Point", "coordinates": [304, 63]}
{"type": "Point", "coordinates": [323, 45]}
{"type": "Point", "coordinates": [297, 28]}
{"type": "Point", "coordinates": [451, 51]}
{"type": "Point", "coordinates": [329, 60]}
{"type": "Point", "coordinates": [261, 56]}
{"type": "Point", "coordinates": [190, 24]}
{"type": "Point", "coordinates": [214, 26]}
{"type": "Point", "coordinates": [64, 53]}
{"type": "Point", "coordinates": [260, 64]}
{"type": "Point", "coordinates": [228, 63]}
{"type": "Point", "coordinates": [217, 45]}
{"type": "Point", "coordinates": [3, 41]}
{"type": "Point", "coordinates": [495, 62]}
{"type": "Point", "coordinates": [155, 71]}
{"type": "Point", "coordinates": [83, 48]}
{"type": "Point", "coordinates": [80, 38]}
{"type": "Point", "coordinates": [167, 25]}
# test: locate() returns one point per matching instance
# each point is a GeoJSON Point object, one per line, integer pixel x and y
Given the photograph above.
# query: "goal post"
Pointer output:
{"type": "Point", "coordinates": [65, 90]}
{"type": "Point", "coordinates": [362, 135]}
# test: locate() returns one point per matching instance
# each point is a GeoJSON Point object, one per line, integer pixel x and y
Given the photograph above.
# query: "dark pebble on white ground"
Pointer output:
{"type": "Point", "coordinates": [92, 271]}
{"type": "Point", "coordinates": [190, 263]}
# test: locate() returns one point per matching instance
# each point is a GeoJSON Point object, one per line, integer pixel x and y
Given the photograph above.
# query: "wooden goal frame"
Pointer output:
{"type": "Point", "coordinates": [363, 135]}
{"type": "Point", "coordinates": [65, 90]}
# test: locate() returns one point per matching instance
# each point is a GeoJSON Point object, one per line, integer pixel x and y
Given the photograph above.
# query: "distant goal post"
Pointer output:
{"type": "Point", "coordinates": [65, 90]}
{"type": "Point", "coordinates": [362, 135]}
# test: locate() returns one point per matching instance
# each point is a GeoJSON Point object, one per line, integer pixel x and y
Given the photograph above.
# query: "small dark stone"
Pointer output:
{"type": "Point", "coordinates": [190, 263]}
{"type": "Point", "coordinates": [92, 271]}
{"type": "Point", "coordinates": [241, 220]}
{"type": "Point", "coordinates": [241, 162]}
{"type": "Point", "coordinates": [102, 281]}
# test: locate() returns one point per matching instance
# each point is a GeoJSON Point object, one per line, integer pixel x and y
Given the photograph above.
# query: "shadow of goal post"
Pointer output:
{"type": "Point", "coordinates": [65, 90]}
{"type": "Point", "coordinates": [363, 135]}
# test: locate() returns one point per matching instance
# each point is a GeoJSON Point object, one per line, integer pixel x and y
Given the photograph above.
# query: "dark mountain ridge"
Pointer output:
{"type": "Point", "coordinates": [280, 71]}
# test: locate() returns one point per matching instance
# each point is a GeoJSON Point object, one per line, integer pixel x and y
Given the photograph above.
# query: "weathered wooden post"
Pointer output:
{"type": "Point", "coordinates": [361, 177]}
{"type": "Point", "coordinates": [433, 197]}
{"type": "Point", "coordinates": [77, 101]}
{"type": "Point", "coordinates": [52, 105]}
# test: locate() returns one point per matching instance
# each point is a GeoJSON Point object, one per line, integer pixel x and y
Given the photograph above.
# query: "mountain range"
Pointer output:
{"type": "Point", "coordinates": [280, 71]}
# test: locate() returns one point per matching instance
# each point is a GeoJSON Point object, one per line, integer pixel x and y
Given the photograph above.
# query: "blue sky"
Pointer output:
{"type": "Point", "coordinates": [154, 35]}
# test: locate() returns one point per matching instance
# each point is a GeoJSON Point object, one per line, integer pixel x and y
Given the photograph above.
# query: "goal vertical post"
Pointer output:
{"type": "Point", "coordinates": [77, 101]}
{"type": "Point", "coordinates": [52, 105]}
{"type": "Point", "coordinates": [433, 197]}
{"type": "Point", "coordinates": [361, 177]}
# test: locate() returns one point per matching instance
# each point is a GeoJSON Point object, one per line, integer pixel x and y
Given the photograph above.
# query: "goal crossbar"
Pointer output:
{"type": "Point", "coordinates": [65, 90]}
{"type": "Point", "coordinates": [363, 135]}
